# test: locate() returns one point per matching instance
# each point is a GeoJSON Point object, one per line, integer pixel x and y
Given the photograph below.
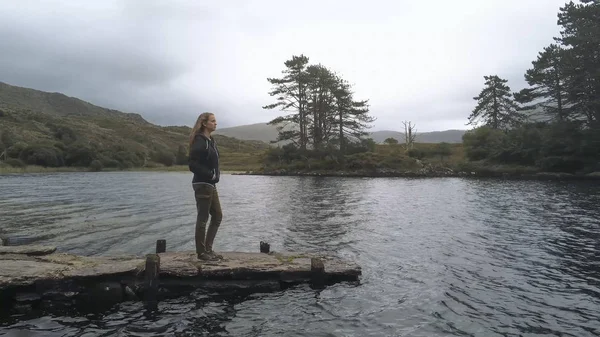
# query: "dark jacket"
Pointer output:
{"type": "Point", "coordinates": [204, 160]}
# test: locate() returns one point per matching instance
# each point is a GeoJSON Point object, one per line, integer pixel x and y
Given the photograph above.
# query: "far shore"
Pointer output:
{"type": "Point", "coordinates": [385, 173]}
{"type": "Point", "coordinates": [31, 169]}
{"type": "Point", "coordinates": [431, 174]}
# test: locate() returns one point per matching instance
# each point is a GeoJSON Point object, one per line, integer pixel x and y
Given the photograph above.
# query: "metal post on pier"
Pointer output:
{"type": "Point", "coordinates": [161, 246]}
{"type": "Point", "coordinates": [265, 247]}
{"type": "Point", "coordinates": [317, 271]}
{"type": "Point", "coordinates": [151, 280]}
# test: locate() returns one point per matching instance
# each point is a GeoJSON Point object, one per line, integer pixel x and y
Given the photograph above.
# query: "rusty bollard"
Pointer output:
{"type": "Point", "coordinates": [265, 247]}
{"type": "Point", "coordinates": [161, 246]}
{"type": "Point", "coordinates": [317, 271]}
{"type": "Point", "coordinates": [151, 280]}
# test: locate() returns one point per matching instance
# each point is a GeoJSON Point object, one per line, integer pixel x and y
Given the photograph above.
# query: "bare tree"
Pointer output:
{"type": "Point", "coordinates": [409, 134]}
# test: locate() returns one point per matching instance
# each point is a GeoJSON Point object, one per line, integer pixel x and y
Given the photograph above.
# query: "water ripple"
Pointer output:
{"type": "Point", "coordinates": [440, 257]}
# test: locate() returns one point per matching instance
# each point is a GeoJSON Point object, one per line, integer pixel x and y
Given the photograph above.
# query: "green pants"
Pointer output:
{"type": "Point", "coordinates": [207, 203]}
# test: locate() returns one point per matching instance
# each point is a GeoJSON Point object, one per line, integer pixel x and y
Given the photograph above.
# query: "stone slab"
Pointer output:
{"type": "Point", "coordinates": [18, 269]}
{"type": "Point", "coordinates": [27, 250]}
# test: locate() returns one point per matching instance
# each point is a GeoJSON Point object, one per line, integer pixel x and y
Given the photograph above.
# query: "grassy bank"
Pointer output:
{"type": "Point", "coordinates": [423, 160]}
{"type": "Point", "coordinates": [230, 163]}
{"type": "Point", "coordinates": [377, 158]}
{"type": "Point", "coordinates": [40, 169]}
{"type": "Point", "coordinates": [392, 160]}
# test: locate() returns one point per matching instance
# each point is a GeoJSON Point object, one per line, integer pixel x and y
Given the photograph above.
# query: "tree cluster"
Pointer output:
{"type": "Point", "coordinates": [322, 110]}
{"type": "Point", "coordinates": [554, 124]}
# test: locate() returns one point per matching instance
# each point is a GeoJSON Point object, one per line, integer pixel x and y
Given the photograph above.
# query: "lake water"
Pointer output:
{"type": "Point", "coordinates": [440, 257]}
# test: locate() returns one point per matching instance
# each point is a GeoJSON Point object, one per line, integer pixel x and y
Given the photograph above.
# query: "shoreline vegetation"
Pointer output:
{"type": "Point", "coordinates": [505, 173]}
{"type": "Point", "coordinates": [424, 160]}
{"type": "Point", "coordinates": [497, 171]}
{"type": "Point", "coordinates": [31, 169]}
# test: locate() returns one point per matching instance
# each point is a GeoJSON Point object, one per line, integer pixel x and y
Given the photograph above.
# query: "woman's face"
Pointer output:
{"type": "Point", "coordinates": [211, 123]}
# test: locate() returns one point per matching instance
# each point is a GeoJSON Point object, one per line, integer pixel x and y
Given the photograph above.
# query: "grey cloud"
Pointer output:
{"type": "Point", "coordinates": [170, 60]}
{"type": "Point", "coordinates": [128, 72]}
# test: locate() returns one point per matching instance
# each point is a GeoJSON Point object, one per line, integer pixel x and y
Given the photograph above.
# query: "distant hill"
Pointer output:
{"type": "Point", "coordinates": [266, 133]}
{"type": "Point", "coordinates": [52, 129]}
{"type": "Point", "coordinates": [57, 104]}
{"type": "Point", "coordinates": [259, 131]}
{"type": "Point", "coordinates": [448, 136]}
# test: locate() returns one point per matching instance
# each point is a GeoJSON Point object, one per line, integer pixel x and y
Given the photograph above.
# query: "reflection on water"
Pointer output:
{"type": "Point", "coordinates": [320, 214]}
{"type": "Point", "coordinates": [440, 257]}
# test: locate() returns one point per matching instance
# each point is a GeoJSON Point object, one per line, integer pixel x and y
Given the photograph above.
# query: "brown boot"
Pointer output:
{"type": "Point", "coordinates": [215, 255]}
{"type": "Point", "coordinates": [206, 257]}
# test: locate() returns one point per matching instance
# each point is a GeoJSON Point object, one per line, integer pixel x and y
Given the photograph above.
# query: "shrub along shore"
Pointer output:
{"type": "Point", "coordinates": [496, 172]}
{"type": "Point", "coordinates": [29, 169]}
{"type": "Point", "coordinates": [366, 160]}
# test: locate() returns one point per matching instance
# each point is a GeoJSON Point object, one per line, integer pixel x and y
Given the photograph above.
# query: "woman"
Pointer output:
{"type": "Point", "coordinates": [204, 163]}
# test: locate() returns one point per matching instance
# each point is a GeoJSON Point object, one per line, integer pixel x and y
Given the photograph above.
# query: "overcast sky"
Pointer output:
{"type": "Point", "coordinates": [422, 61]}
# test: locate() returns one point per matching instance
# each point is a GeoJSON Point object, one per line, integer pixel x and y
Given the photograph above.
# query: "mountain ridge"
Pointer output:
{"type": "Point", "coordinates": [54, 130]}
{"type": "Point", "coordinates": [267, 133]}
{"type": "Point", "coordinates": [56, 103]}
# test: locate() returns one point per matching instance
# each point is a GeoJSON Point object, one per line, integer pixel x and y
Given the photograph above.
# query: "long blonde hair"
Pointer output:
{"type": "Point", "coordinates": [199, 126]}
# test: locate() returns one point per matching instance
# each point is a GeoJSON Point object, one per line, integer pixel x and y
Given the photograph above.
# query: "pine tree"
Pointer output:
{"type": "Point", "coordinates": [291, 96]}
{"type": "Point", "coordinates": [495, 105]}
{"type": "Point", "coordinates": [321, 84]}
{"type": "Point", "coordinates": [351, 117]}
{"type": "Point", "coordinates": [580, 35]}
{"type": "Point", "coordinates": [547, 78]}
